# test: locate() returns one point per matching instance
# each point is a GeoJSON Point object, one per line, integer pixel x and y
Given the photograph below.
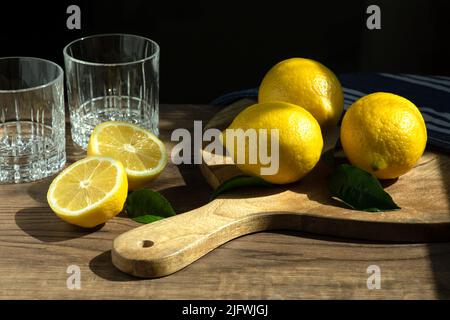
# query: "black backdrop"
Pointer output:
{"type": "Point", "coordinates": [210, 47]}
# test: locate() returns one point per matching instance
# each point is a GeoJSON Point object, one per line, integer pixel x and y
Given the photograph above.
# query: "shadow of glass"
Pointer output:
{"type": "Point", "coordinates": [42, 224]}
{"type": "Point", "coordinates": [102, 266]}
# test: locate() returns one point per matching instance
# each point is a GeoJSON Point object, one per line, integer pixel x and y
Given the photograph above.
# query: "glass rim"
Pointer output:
{"type": "Point", "coordinates": [153, 55]}
{"type": "Point", "coordinates": [50, 83]}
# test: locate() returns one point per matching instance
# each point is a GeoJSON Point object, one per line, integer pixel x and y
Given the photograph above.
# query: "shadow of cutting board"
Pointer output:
{"type": "Point", "coordinates": [166, 246]}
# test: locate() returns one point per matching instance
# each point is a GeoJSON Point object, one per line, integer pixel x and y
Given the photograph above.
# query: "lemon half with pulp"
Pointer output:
{"type": "Point", "coordinates": [143, 155]}
{"type": "Point", "coordinates": [89, 192]}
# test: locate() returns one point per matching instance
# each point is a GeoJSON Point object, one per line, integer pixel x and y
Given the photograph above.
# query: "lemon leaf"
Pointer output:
{"type": "Point", "coordinates": [239, 182]}
{"type": "Point", "coordinates": [359, 190]}
{"type": "Point", "coordinates": [147, 206]}
{"type": "Point", "coordinates": [148, 218]}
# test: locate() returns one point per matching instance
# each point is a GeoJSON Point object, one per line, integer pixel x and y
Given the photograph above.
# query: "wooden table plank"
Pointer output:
{"type": "Point", "coordinates": [36, 248]}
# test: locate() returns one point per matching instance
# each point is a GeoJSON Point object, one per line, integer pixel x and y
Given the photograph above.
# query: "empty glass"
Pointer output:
{"type": "Point", "coordinates": [32, 132]}
{"type": "Point", "coordinates": [111, 77]}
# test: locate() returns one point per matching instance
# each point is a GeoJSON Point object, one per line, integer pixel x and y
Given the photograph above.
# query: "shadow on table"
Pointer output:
{"type": "Point", "coordinates": [42, 224]}
{"type": "Point", "coordinates": [193, 194]}
{"type": "Point", "coordinates": [439, 253]}
{"type": "Point", "coordinates": [102, 266]}
{"type": "Point", "coordinates": [38, 190]}
{"type": "Point", "coordinates": [439, 257]}
{"type": "Point", "coordinates": [314, 236]}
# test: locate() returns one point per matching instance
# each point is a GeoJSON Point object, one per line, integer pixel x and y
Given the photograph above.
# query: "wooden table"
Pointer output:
{"type": "Point", "coordinates": [36, 249]}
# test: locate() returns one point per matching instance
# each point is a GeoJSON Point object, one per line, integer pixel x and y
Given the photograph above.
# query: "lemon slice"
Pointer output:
{"type": "Point", "coordinates": [89, 192]}
{"type": "Point", "coordinates": [141, 152]}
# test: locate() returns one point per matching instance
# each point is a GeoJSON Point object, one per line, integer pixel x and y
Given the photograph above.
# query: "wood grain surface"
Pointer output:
{"type": "Point", "coordinates": [36, 248]}
{"type": "Point", "coordinates": [166, 246]}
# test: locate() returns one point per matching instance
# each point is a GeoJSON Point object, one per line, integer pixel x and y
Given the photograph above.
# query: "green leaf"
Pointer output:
{"type": "Point", "coordinates": [359, 190]}
{"type": "Point", "coordinates": [239, 182]}
{"type": "Point", "coordinates": [147, 218]}
{"type": "Point", "coordinates": [146, 206]}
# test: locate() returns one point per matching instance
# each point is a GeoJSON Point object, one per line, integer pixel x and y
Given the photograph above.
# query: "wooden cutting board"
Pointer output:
{"type": "Point", "coordinates": [166, 246]}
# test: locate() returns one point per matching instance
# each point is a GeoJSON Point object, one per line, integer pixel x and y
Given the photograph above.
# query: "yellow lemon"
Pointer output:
{"type": "Point", "coordinates": [300, 141]}
{"type": "Point", "coordinates": [306, 83]}
{"type": "Point", "coordinates": [89, 192]}
{"type": "Point", "coordinates": [384, 134]}
{"type": "Point", "coordinates": [143, 155]}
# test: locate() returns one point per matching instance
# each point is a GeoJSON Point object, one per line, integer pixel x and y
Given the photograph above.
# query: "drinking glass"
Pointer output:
{"type": "Point", "coordinates": [32, 132]}
{"type": "Point", "coordinates": [111, 77]}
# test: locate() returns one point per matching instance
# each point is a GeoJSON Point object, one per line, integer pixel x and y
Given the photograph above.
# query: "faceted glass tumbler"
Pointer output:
{"type": "Point", "coordinates": [111, 77]}
{"type": "Point", "coordinates": [32, 123]}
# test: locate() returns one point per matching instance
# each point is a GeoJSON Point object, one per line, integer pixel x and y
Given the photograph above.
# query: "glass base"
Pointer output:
{"type": "Point", "coordinates": [29, 152]}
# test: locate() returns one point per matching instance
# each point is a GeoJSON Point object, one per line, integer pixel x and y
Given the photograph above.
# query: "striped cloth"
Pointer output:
{"type": "Point", "coordinates": [430, 93]}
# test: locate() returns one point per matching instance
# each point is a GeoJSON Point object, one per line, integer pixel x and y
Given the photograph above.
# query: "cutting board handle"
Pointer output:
{"type": "Point", "coordinates": [168, 245]}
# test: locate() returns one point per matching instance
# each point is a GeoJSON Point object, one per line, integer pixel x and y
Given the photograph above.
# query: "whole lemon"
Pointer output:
{"type": "Point", "coordinates": [384, 134]}
{"type": "Point", "coordinates": [296, 132]}
{"type": "Point", "coordinates": [306, 83]}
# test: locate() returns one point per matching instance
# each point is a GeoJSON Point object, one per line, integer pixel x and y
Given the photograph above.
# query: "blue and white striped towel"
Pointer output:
{"type": "Point", "coordinates": [430, 93]}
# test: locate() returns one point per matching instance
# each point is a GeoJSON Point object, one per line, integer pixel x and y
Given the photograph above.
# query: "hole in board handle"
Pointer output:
{"type": "Point", "coordinates": [147, 243]}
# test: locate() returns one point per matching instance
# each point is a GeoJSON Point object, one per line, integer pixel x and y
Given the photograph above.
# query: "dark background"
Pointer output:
{"type": "Point", "coordinates": [211, 47]}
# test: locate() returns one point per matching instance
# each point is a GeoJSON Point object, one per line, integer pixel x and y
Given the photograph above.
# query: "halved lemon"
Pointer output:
{"type": "Point", "coordinates": [143, 155]}
{"type": "Point", "coordinates": [89, 192]}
